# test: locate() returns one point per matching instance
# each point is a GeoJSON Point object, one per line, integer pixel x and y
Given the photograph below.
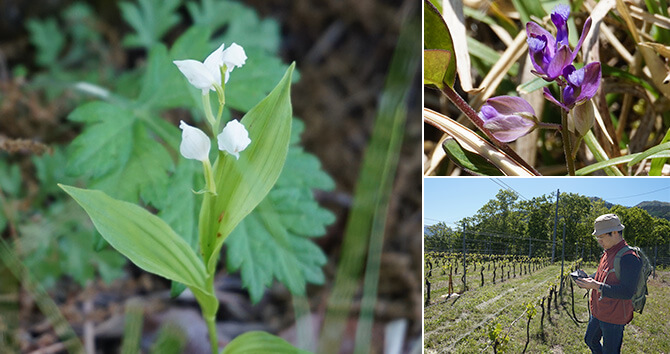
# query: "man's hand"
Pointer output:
{"type": "Point", "coordinates": [588, 283]}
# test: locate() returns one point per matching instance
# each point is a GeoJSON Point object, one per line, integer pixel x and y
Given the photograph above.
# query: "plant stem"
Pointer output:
{"type": "Point", "coordinates": [211, 328]}
{"type": "Point", "coordinates": [208, 112]}
{"type": "Point", "coordinates": [565, 133]}
{"type": "Point", "coordinates": [209, 307]}
{"type": "Point", "coordinates": [210, 185]}
{"type": "Point", "coordinates": [474, 118]}
{"type": "Point", "coordinates": [544, 125]}
{"type": "Point", "coordinates": [220, 93]}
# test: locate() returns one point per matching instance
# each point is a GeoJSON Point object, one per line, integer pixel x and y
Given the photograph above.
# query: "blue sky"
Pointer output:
{"type": "Point", "coordinates": [450, 199]}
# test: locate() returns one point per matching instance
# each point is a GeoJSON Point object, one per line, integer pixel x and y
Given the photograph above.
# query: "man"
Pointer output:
{"type": "Point", "coordinates": [611, 307]}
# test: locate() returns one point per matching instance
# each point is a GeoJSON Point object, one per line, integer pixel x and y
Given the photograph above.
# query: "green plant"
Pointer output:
{"type": "Point", "coordinates": [127, 150]}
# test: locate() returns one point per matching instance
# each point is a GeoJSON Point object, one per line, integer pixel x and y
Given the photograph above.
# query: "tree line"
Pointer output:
{"type": "Point", "coordinates": [508, 225]}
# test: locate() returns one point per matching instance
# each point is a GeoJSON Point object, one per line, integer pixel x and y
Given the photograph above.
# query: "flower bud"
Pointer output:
{"type": "Point", "coordinates": [234, 138]}
{"type": "Point", "coordinates": [194, 143]}
{"type": "Point", "coordinates": [508, 117]}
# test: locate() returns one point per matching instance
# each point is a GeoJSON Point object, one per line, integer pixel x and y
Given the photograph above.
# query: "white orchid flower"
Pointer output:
{"type": "Point", "coordinates": [207, 75]}
{"type": "Point", "coordinates": [234, 138]}
{"type": "Point", "coordinates": [195, 143]}
{"type": "Point", "coordinates": [233, 57]}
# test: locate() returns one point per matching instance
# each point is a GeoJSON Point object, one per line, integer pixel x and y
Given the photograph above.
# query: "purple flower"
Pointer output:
{"type": "Point", "coordinates": [508, 117]}
{"type": "Point", "coordinates": [549, 54]}
{"type": "Point", "coordinates": [560, 19]}
{"type": "Point", "coordinates": [581, 85]}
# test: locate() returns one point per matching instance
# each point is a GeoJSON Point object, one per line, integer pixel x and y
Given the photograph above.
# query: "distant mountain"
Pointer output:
{"type": "Point", "coordinates": [656, 209]}
{"type": "Point", "coordinates": [608, 205]}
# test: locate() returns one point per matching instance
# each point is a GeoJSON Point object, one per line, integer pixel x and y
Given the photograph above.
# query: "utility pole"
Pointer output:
{"type": "Point", "coordinates": [464, 267]}
{"type": "Point", "coordinates": [562, 262]}
{"type": "Point", "coordinates": [553, 244]}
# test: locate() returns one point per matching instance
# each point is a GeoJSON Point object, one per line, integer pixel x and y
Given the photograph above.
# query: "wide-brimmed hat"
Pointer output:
{"type": "Point", "coordinates": [607, 223]}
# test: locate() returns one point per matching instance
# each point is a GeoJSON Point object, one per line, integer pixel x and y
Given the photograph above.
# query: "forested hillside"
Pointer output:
{"type": "Point", "coordinates": [656, 209]}
{"type": "Point", "coordinates": [514, 226]}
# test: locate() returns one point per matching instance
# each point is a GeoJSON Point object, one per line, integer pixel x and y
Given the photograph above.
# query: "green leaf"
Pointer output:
{"type": "Point", "coordinates": [243, 26]}
{"type": "Point", "coordinates": [49, 170]}
{"type": "Point", "coordinates": [468, 160]}
{"type": "Point", "coordinates": [435, 66]}
{"type": "Point", "coordinates": [532, 85]}
{"type": "Point", "coordinates": [242, 184]}
{"type": "Point", "coordinates": [617, 161]}
{"type": "Point", "coordinates": [265, 246]}
{"type": "Point", "coordinates": [150, 19]}
{"type": "Point", "coordinates": [247, 29]}
{"type": "Point", "coordinates": [260, 342]}
{"type": "Point", "coordinates": [142, 237]}
{"type": "Point", "coordinates": [163, 85]}
{"type": "Point", "coordinates": [487, 54]}
{"type": "Point", "coordinates": [529, 8]}
{"type": "Point", "coordinates": [179, 209]}
{"type": "Point", "coordinates": [10, 178]}
{"type": "Point", "coordinates": [249, 84]}
{"type": "Point", "coordinates": [144, 173]}
{"type": "Point", "coordinates": [436, 36]}
{"type": "Point", "coordinates": [110, 265]}
{"type": "Point", "coordinates": [273, 241]}
{"type": "Point", "coordinates": [3, 220]}
{"type": "Point", "coordinates": [180, 201]}
{"type": "Point", "coordinates": [657, 164]}
{"type": "Point", "coordinates": [651, 151]}
{"type": "Point", "coordinates": [105, 144]}
{"type": "Point", "coordinates": [626, 76]}
{"type": "Point", "coordinates": [61, 242]}
{"type": "Point", "coordinates": [47, 38]}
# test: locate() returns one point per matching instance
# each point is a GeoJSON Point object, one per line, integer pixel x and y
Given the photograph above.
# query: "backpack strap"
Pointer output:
{"type": "Point", "coordinates": [617, 259]}
{"type": "Point", "coordinates": [617, 264]}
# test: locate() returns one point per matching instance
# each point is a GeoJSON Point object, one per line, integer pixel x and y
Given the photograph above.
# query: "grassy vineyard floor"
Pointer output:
{"type": "Point", "coordinates": [459, 325]}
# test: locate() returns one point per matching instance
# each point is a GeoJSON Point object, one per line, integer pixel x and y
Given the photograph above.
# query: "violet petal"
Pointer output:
{"type": "Point", "coordinates": [559, 62]}
{"type": "Point", "coordinates": [570, 95]}
{"type": "Point", "coordinates": [560, 19]}
{"type": "Point", "coordinates": [509, 128]}
{"type": "Point", "coordinates": [508, 105]}
{"type": "Point", "coordinates": [585, 31]}
{"type": "Point", "coordinates": [550, 98]}
{"type": "Point", "coordinates": [591, 81]}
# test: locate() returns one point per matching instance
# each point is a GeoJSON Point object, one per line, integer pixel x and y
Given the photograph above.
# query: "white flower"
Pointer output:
{"type": "Point", "coordinates": [233, 57]}
{"type": "Point", "coordinates": [207, 75]}
{"type": "Point", "coordinates": [194, 143]}
{"type": "Point", "coordinates": [234, 138]}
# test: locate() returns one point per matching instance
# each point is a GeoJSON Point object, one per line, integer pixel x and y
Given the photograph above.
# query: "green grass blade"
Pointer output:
{"type": "Point", "coordinates": [643, 155]}
{"type": "Point", "coordinates": [600, 155]}
{"type": "Point", "coordinates": [171, 340]}
{"type": "Point", "coordinates": [132, 328]}
{"type": "Point", "coordinates": [657, 164]}
{"type": "Point", "coordinates": [617, 161]}
{"type": "Point", "coordinates": [532, 85]}
{"type": "Point", "coordinates": [365, 227]}
{"type": "Point", "coordinates": [41, 298]}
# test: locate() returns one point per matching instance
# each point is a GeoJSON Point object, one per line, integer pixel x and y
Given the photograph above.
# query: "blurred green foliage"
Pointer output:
{"type": "Point", "coordinates": [127, 145]}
